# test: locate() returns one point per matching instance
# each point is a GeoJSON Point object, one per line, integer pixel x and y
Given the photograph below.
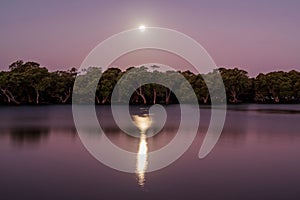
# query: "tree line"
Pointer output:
{"type": "Point", "coordinates": [29, 83]}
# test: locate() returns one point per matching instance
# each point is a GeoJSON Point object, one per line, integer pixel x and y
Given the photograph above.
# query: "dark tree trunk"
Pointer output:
{"type": "Point", "coordinates": [168, 94]}
{"type": "Point", "coordinates": [140, 93]}
{"type": "Point", "coordinates": [276, 98]}
{"type": "Point", "coordinates": [104, 100]}
{"type": "Point", "coordinates": [154, 96]}
{"type": "Point", "coordinates": [97, 99]}
{"type": "Point", "coordinates": [9, 96]}
{"type": "Point", "coordinates": [68, 94]}
{"type": "Point", "coordinates": [37, 96]}
{"type": "Point", "coordinates": [234, 96]}
{"type": "Point", "coordinates": [205, 99]}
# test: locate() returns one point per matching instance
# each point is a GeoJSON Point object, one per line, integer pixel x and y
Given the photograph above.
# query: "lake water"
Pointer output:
{"type": "Point", "coordinates": [256, 157]}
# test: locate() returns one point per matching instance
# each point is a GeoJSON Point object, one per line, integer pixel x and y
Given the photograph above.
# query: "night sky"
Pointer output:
{"type": "Point", "coordinates": [256, 35]}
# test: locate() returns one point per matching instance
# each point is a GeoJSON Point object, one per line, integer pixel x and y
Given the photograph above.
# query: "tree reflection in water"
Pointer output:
{"type": "Point", "coordinates": [32, 135]}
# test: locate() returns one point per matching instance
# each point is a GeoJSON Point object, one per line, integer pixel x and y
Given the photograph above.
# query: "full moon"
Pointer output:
{"type": "Point", "coordinates": [142, 28]}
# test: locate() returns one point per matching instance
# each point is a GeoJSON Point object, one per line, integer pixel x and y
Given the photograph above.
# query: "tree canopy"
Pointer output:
{"type": "Point", "coordinates": [30, 83]}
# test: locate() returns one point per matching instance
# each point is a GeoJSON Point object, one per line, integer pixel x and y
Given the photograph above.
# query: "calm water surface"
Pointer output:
{"type": "Point", "coordinates": [257, 157]}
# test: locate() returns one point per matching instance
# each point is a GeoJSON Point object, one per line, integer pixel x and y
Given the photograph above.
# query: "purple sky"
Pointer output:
{"type": "Point", "coordinates": [257, 35]}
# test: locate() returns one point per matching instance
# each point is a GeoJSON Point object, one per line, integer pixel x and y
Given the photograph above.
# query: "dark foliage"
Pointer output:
{"type": "Point", "coordinates": [29, 83]}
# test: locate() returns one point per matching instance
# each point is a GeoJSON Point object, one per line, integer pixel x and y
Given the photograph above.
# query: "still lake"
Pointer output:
{"type": "Point", "coordinates": [256, 157]}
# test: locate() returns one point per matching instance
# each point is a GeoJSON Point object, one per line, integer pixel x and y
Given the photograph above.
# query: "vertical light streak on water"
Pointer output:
{"type": "Point", "coordinates": [143, 123]}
